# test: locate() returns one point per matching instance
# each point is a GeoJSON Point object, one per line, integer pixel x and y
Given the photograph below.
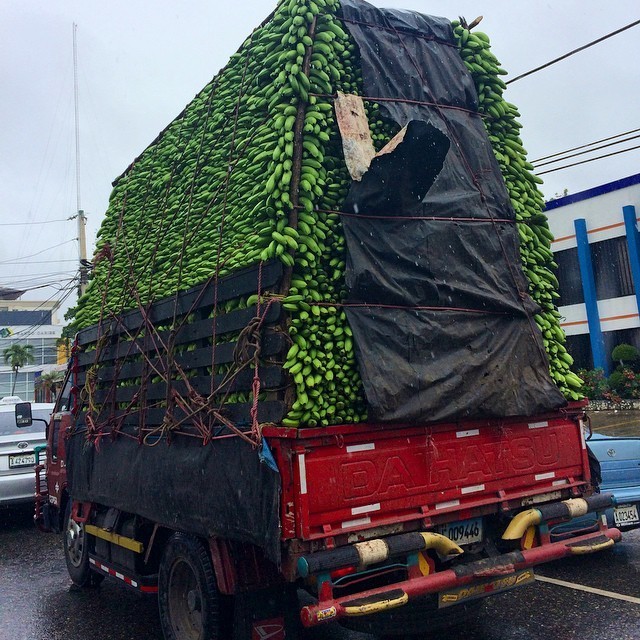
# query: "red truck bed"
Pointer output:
{"type": "Point", "coordinates": [355, 496]}
{"type": "Point", "coordinates": [353, 477]}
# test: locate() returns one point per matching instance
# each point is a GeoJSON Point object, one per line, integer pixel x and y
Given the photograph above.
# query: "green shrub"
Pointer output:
{"type": "Point", "coordinates": [626, 383]}
{"type": "Point", "coordinates": [595, 384]}
{"type": "Point", "coordinates": [625, 354]}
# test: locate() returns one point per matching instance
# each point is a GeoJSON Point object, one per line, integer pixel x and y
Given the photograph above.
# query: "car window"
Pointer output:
{"type": "Point", "coordinates": [8, 422]}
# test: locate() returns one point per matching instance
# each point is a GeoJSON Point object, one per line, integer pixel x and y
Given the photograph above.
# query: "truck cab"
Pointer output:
{"type": "Point", "coordinates": [51, 493]}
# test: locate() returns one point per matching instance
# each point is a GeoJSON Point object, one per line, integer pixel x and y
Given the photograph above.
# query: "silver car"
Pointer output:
{"type": "Point", "coordinates": [17, 456]}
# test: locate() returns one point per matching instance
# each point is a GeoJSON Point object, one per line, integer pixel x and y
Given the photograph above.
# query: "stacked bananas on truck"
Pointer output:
{"type": "Point", "coordinates": [500, 118]}
{"type": "Point", "coordinates": [253, 170]}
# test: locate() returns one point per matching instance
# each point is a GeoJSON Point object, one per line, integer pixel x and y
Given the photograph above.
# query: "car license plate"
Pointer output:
{"type": "Point", "coordinates": [462, 531]}
{"type": "Point", "coordinates": [626, 514]}
{"type": "Point", "coordinates": [22, 460]}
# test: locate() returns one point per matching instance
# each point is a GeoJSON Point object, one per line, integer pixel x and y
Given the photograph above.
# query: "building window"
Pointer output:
{"type": "Point", "coordinates": [8, 318]}
{"type": "Point", "coordinates": [569, 279]}
{"type": "Point", "coordinates": [44, 350]}
{"type": "Point", "coordinates": [24, 386]}
{"type": "Point", "coordinates": [611, 269]}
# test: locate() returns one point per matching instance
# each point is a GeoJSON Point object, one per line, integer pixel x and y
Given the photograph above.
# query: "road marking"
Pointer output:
{"type": "Point", "coordinates": [615, 424]}
{"type": "Point", "coordinates": [581, 587]}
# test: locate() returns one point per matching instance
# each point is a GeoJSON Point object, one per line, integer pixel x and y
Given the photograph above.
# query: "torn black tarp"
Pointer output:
{"type": "Point", "coordinates": [438, 304]}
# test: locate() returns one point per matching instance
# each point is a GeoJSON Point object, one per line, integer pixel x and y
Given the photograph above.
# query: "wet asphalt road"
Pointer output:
{"type": "Point", "coordinates": [38, 603]}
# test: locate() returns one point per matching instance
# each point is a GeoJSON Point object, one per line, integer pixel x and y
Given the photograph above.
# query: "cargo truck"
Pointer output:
{"type": "Point", "coordinates": [381, 523]}
{"type": "Point", "coordinates": [310, 383]}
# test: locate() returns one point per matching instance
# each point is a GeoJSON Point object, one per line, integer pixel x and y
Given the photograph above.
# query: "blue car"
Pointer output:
{"type": "Point", "coordinates": [619, 461]}
{"type": "Point", "coordinates": [620, 466]}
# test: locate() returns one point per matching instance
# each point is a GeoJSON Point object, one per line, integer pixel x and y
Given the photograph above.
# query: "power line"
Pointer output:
{"type": "Point", "coordinates": [567, 55]}
{"type": "Point", "coordinates": [21, 224]}
{"type": "Point", "coordinates": [55, 246]}
{"type": "Point", "coordinates": [30, 330]}
{"type": "Point", "coordinates": [574, 164]}
{"type": "Point", "coordinates": [55, 281]}
{"type": "Point", "coordinates": [40, 261]}
{"type": "Point", "coordinates": [36, 276]}
{"type": "Point", "coordinates": [584, 146]}
{"type": "Point", "coordinates": [581, 153]}
{"type": "Point", "coordinates": [48, 274]}
{"type": "Point", "coordinates": [21, 285]}
{"type": "Point", "coordinates": [53, 285]}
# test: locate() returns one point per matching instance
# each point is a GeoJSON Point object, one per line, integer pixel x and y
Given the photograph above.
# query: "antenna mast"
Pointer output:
{"type": "Point", "coordinates": [82, 221]}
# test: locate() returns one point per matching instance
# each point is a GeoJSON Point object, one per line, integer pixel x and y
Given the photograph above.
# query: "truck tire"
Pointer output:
{"type": "Point", "coordinates": [420, 617]}
{"type": "Point", "coordinates": [76, 551]}
{"type": "Point", "coordinates": [188, 596]}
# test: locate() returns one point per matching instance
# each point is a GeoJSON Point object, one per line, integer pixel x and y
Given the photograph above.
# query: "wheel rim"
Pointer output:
{"type": "Point", "coordinates": [74, 537]}
{"type": "Point", "coordinates": [185, 601]}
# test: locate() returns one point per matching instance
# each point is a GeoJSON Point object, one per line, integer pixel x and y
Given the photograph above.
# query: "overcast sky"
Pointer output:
{"type": "Point", "coordinates": [140, 63]}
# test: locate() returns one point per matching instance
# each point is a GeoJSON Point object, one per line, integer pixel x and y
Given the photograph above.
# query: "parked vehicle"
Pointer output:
{"type": "Point", "coordinates": [619, 462]}
{"type": "Point", "coordinates": [17, 455]}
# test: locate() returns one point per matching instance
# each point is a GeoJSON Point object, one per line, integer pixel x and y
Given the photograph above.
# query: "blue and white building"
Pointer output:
{"type": "Point", "coordinates": [27, 322]}
{"type": "Point", "coordinates": [597, 248]}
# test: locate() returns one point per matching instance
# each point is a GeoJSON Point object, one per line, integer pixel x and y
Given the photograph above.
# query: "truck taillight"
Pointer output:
{"type": "Point", "coordinates": [344, 571]}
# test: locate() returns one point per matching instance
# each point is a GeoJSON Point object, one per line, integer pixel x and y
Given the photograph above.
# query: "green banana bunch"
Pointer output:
{"type": "Point", "coordinates": [216, 191]}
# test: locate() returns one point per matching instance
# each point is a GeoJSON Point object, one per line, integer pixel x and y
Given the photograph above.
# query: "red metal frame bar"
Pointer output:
{"type": "Point", "coordinates": [332, 609]}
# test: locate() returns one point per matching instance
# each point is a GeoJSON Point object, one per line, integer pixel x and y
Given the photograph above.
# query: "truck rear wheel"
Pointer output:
{"type": "Point", "coordinates": [76, 551]}
{"type": "Point", "coordinates": [187, 593]}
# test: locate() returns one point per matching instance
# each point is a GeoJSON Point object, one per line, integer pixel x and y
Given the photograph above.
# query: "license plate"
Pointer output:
{"type": "Point", "coordinates": [462, 531]}
{"type": "Point", "coordinates": [22, 460]}
{"type": "Point", "coordinates": [481, 589]}
{"type": "Point", "coordinates": [626, 514]}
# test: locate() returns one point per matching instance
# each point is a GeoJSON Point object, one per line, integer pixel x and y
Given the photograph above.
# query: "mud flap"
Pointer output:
{"type": "Point", "coordinates": [267, 614]}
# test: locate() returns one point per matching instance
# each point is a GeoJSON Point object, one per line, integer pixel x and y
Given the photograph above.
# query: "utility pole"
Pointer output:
{"type": "Point", "coordinates": [82, 220]}
{"type": "Point", "coordinates": [82, 240]}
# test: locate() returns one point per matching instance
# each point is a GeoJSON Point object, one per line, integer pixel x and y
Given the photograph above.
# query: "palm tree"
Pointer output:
{"type": "Point", "coordinates": [50, 383]}
{"type": "Point", "coordinates": [18, 356]}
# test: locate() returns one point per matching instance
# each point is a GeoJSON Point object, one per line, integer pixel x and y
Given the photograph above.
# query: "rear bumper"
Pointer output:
{"type": "Point", "coordinates": [459, 576]}
{"type": "Point", "coordinates": [17, 488]}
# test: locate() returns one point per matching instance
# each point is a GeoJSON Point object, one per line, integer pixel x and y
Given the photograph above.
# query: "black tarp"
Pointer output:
{"type": "Point", "coordinates": [222, 489]}
{"type": "Point", "coordinates": [438, 303]}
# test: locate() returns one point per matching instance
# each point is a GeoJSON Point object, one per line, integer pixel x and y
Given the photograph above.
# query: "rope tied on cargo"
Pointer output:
{"type": "Point", "coordinates": [399, 307]}
{"type": "Point", "coordinates": [249, 343]}
{"type": "Point", "coordinates": [422, 103]}
{"type": "Point", "coordinates": [248, 350]}
{"type": "Point", "coordinates": [105, 253]}
{"type": "Point", "coordinates": [256, 329]}
{"type": "Point", "coordinates": [432, 447]}
{"type": "Point", "coordinates": [397, 30]}
{"type": "Point", "coordinates": [392, 217]}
